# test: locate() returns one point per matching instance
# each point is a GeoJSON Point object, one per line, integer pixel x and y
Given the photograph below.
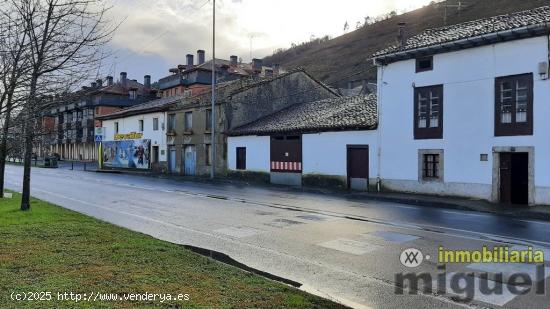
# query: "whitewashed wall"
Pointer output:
{"type": "Point", "coordinates": [326, 153]}
{"type": "Point", "coordinates": [131, 124]}
{"type": "Point", "coordinates": [257, 152]}
{"type": "Point", "coordinates": [322, 153]}
{"type": "Point", "coordinates": [468, 77]}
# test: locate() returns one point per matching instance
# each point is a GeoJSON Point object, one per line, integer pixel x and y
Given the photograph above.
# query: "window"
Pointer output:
{"type": "Point", "coordinates": [140, 125]}
{"type": "Point", "coordinates": [514, 105]}
{"type": "Point", "coordinates": [428, 112]}
{"type": "Point", "coordinates": [116, 127]}
{"type": "Point", "coordinates": [241, 158]}
{"type": "Point", "coordinates": [208, 154]}
{"type": "Point", "coordinates": [155, 124]}
{"type": "Point", "coordinates": [208, 119]}
{"type": "Point", "coordinates": [424, 64]}
{"type": "Point", "coordinates": [171, 123]}
{"type": "Point", "coordinates": [133, 94]}
{"type": "Point", "coordinates": [187, 93]}
{"type": "Point", "coordinates": [430, 165]}
{"type": "Point", "coordinates": [188, 121]}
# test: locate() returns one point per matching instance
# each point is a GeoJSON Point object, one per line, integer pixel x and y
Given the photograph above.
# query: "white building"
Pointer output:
{"type": "Point", "coordinates": [330, 141]}
{"type": "Point", "coordinates": [463, 110]}
{"type": "Point", "coordinates": [148, 122]}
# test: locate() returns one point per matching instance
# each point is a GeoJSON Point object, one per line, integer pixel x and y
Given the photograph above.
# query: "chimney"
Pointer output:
{"type": "Point", "coordinates": [189, 61]}
{"type": "Point", "coordinates": [200, 56]}
{"type": "Point", "coordinates": [234, 60]}
{"type": "Point", "coordinates": [276, 68]}
{"type": "Point", "coordinates": [123, 79]}
{"type": "Point", "coordinates": [257, 64]}
{"type": "Point", "coordinates": [402, 37]}
{"type": "Point", "coordinates": [147, 81]}
{"type": "Point", "coordinates": [99, 82]}
{"type": "Point", "coordinates": [109, 80]}
{"type": "Point", "coordinates": [94, 85]}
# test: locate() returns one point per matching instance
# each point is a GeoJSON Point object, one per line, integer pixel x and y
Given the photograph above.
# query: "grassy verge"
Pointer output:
{"type": "Point", "coordinates": [51, 249]}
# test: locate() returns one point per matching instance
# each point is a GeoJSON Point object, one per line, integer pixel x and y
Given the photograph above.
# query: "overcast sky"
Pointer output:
{"type": "Point", "coordinates": [156, 35]}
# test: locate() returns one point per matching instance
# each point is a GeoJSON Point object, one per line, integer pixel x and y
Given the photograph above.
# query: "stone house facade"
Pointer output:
{"type": "Point", "coordinates": [238, 103]}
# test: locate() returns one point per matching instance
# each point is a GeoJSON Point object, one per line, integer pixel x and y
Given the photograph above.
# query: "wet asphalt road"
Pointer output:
{"type": "Point", "coordinates": [340, 248]}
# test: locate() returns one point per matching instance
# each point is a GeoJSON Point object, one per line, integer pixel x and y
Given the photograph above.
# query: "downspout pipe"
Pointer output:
{"type": "Point", "coordinates": [380, 82]}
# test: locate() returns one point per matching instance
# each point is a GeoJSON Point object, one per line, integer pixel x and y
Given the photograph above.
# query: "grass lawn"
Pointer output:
{"type": "Point", "coordinates": [51, 249]}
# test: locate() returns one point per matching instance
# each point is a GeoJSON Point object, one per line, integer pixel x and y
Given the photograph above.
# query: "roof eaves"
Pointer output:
{"type": "Point", "coordinates": [469, 42]}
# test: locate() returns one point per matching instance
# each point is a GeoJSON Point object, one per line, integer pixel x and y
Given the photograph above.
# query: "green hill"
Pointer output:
{"type": "Point", "coordinates": [345, 58]}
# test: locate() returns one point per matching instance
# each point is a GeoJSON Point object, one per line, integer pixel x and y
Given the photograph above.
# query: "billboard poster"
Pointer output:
{"type": "Point", "coordinates": [133, 153]}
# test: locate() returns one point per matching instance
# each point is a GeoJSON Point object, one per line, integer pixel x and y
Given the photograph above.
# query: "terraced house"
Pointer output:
{"type": "Point", "coordinates": [330, 142]}
{"type": "Point", "coordinates": [238, 103]}
{"type": "Point", "coordinates": [463, 110]}
{"type": "Point", "coordinates": [70, 125]}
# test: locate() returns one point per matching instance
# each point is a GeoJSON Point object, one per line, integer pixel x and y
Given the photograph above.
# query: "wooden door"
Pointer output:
{"type": "Point", "coordinates": [241, 158]}
{"type": "Point", "coordinates": [505, 178]}
{"type": "Point", "coordinates": [358, 167]}
{"type": "Point", "coordinates": [190, 160]}
{"type": "Point", "coordinates": [172, 160]}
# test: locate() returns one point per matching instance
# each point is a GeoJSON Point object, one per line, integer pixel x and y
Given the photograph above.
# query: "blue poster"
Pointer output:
{"type": "Point", "coordinates": [132, 154]}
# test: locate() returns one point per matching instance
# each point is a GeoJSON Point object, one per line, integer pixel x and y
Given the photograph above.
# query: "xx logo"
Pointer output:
{"type": "Point", "coordinates": [411, 258]}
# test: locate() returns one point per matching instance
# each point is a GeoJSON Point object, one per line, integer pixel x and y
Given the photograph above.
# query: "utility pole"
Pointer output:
{"type": "Point", "coordinates": [213, 112]}
{"type": "Point", "coordinates": [459, 6]}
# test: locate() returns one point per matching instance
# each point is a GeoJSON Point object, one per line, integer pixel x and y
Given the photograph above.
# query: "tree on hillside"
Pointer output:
{"type": "Point", "coordinates": [65, 38]}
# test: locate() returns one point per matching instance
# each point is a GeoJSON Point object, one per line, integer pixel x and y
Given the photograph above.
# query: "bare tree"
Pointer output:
{"type": "Point", "coordinates": [65, 39]}
{"type": "Point", "coordinates": [13, 73]}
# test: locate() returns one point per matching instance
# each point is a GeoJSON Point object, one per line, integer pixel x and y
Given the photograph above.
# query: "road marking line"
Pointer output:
{"type": "Point", "coordinates": [238, 231]}
{"type": "Point", "coordinates": [394, 237]}
{"type": "Point", "coordinates": [350, 246]}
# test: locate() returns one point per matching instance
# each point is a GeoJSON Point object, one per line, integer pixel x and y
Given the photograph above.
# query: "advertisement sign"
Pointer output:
{"type": "Point", "coordinates": [126, 154]}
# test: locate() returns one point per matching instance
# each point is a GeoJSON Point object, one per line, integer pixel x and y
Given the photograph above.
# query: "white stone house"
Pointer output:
{"type": "Point", "coordinates": [463, 110]}
{"type": "Point", "coordinates": [331, 142]}
{"type": "Point", "coordinates": [149, 121]}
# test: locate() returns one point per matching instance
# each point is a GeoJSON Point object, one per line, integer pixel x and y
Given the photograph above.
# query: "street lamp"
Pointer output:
{"type": "Point", "coordinates": [213, 112]}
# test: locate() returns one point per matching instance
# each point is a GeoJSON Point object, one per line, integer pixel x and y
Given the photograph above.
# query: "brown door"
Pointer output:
{"type": "Point", "coordinates": [286, 154]}
{"type": "Point", "coordinates": [358, 167]}
{"type": "Point", "coordinates": [514, 178]}
{"type": "Point", "coordinates": [241, 158]}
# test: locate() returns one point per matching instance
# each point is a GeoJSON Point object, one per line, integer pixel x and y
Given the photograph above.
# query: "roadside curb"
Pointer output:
{"type": "Point", "coordinates": [403, 198]}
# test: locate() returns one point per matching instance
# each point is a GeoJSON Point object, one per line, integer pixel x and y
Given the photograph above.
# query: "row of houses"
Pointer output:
{"type": "Point", "coordinates": [460, 112]}
{"type": "Point", "coordinates": [68, 127]}
{"type": "Point", "coordinates": [456, 111]}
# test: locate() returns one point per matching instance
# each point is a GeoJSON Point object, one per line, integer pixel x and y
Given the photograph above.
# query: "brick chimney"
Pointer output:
{"type": "Point", "coordinates": [402, 36]}
{"type": "Point", "coordinates": [200, 56]}
{"type": "Point", "coordinates": [234, 60]}
{"type": "Point", "coordinates": [109, 80]}
{"type": "Point", "coordinates": [189, 61]}
{"type": "Point", "coordinates": [93, 85]}
{"type": "Point", "coordinates": [99, 82]}
{"type": "Point", "coordinates": [124, 79]}
{"type": "Point", "coordinates": [147, 81]}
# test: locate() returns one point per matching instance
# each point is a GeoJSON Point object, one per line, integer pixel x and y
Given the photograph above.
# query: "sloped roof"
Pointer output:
{"type": "Point", "coordinates": [227, 89]}
{"type": "Point", "coordinates": [338, 114]}
{"type": "Point", "coordinates": [148, 107]}
{"type": "Point", "coordinates": [527, 23]}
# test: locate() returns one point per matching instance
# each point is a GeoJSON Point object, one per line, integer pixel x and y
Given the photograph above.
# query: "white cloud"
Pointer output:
{"type": "Point", "coordinates": [169, 29]}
